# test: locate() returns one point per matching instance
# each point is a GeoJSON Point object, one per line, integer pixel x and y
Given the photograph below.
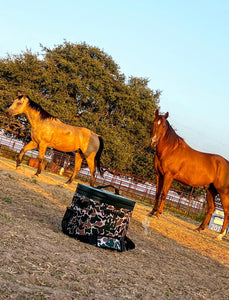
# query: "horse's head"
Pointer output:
{"type": "Point", "coordinates": [159, 128]}
{"type": "Point", "coordinates": [18, 106]}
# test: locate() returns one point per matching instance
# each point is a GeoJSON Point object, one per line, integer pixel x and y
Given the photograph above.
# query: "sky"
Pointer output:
{"type": "Point", "coordinates": [181, 47]}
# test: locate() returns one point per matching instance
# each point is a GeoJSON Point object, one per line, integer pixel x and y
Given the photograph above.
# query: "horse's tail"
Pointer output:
{"type": "Point", "coordinates": [98, 155]}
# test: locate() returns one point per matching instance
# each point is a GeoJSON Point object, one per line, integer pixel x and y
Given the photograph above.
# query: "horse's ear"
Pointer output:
{"type": "Point", "coordinates": [156, 113]}
{"type": "Point", "coordinates": [19, 94]}
{"type": "Point", "coordinates": [166, 115]}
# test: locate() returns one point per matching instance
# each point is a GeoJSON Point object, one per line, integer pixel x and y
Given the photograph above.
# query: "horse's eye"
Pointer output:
{"type": "Point", "coordinates": [19, 103]}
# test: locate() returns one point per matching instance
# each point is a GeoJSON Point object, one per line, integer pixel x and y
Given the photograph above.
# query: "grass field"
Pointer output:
{"type": "Point", "coordinates": [37, 261]}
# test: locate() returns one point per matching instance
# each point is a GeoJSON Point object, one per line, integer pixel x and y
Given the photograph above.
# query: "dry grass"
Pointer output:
{"type": "Point", "coordinates": [37, 261]}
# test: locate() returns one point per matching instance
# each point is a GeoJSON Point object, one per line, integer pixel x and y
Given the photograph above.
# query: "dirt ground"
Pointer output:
{"type": "Point", "coordinates": [37, 261]}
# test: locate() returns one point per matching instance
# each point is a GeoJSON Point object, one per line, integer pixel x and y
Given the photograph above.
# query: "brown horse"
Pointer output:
{"type": "Point", "coordinates": [174, 159]}
{"type": "Point", "coordinates": [48, 131]}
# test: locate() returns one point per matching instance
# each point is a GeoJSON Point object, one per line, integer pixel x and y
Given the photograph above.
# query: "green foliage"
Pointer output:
{"type": "Point", "coordinates": [83, 86]}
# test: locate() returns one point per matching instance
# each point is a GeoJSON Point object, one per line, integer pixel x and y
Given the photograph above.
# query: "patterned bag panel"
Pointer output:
{"type": "Point", "coordinates": [91, 217]}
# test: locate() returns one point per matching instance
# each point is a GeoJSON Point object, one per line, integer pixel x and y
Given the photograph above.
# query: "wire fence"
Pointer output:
{"type": "Point", "coordinates": [132, 186]}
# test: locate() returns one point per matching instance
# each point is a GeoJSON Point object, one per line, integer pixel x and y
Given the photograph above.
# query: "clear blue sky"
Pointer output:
{"type": "Point", "coordinates": [182, 47]}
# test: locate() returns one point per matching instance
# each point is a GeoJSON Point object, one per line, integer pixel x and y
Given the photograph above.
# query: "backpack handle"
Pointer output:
{"type": "Point", "coordinates": [107, 186]}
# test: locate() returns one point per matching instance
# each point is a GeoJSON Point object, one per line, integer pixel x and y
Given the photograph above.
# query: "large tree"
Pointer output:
{"type": "Point", "coordinates": [83, 86]}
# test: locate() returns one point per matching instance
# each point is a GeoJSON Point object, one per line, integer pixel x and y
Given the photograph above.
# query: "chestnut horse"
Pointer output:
{"type": "Point", "coordinates": [174, 159]}
{"type": "Point", "coordinates": [48, 131]}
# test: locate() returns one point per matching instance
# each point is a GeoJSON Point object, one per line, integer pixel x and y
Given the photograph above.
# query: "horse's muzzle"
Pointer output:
{"type": "Point", "coordinates": [153, 142]}
{"type": "Point", "coordinates": [8, 114]}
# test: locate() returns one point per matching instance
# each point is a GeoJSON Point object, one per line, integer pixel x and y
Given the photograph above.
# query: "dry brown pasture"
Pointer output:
{"type": "Point", "coordinates": [37, 261]}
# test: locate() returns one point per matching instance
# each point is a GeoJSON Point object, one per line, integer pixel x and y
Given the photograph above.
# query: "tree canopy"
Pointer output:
{"type": "Point", "coordinates": [83, 86]}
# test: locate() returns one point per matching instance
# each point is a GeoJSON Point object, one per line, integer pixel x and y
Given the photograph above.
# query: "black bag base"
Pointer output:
{"type": "Point", "coordinates": [125, 243]}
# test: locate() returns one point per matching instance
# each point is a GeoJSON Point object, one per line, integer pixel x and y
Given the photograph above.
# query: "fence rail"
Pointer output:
{"type": "Point", "coordinates": [130, 185]}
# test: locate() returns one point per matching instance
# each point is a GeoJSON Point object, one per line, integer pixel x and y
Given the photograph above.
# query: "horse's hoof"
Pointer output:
{"type": "Point", "coordinates": [152, 215]}
{"type": "Point", "coordinates": [219, 237]}
{"type": "Point", "coordinates": [198, 229]}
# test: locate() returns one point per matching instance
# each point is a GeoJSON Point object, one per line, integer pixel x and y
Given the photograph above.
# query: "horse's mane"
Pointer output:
{"type": "Point", "coordinates": [43, 113]}
{"type": "Point", "coordinates": [171, 136]}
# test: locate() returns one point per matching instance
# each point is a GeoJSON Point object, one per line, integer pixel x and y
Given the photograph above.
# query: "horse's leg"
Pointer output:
{"type": "Point", "coordinates": [92, 166]}
{"type": "Point", "coordinates": [30, 146]}
{"type": "Point", "coordinates": [211, 193]}
{"type": "Point", "coordinates": [225, 203]}
{"type": "Point", "coordinates": [168, 179]}
{"type": "Point", "coordinates": [78, 162]}
{"type": "Point", "coordinates": [159, 179]}
{"type": "Point", "coordinates": [42, 150]}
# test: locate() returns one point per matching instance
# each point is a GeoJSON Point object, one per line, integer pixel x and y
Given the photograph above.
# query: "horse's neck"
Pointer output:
{"type": "Point", "coordinates": [161, 149]}
{"type": "Point", "coordinates": [167, 143]}
{"type": "Point", "coordinates": [33, 116]}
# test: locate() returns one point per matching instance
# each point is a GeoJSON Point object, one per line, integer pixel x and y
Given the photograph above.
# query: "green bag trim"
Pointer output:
{"type": "Point", "coordinates": [105, 197]}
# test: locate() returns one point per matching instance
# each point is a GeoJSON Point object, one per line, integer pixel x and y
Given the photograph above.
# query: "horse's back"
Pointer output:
{"type": "Point", "coordinates": [193, 167]}
{"type": "Point", "coordinates": [68, 138]}
{"type": "Point", "coordinates": [64, 129]}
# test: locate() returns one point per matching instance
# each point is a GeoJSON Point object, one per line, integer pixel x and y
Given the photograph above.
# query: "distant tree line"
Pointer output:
{"type": "Point", "coordinates": [83, 86]}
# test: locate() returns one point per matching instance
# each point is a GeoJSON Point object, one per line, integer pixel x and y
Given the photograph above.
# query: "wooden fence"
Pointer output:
{"type": "Point", "coordinates": [132, 186]}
